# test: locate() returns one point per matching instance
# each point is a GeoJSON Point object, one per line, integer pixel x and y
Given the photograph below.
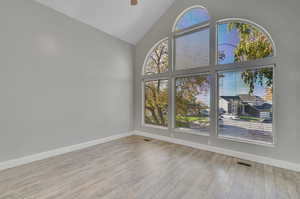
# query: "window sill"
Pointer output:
{"type": "Point", "coordinates": [190, 131]}
{"type": "Point", "coordinates": [154, 126]}
{"type": "Point", "coordinates": [242, 140]}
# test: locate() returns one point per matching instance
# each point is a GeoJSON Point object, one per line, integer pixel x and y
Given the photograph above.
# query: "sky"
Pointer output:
{"type": "Point", "coordinates": [231, 84]}
{"type": "Point", "coordinates": [192, 17]}
{"type": "Point", "coordinates": [227, 42]}
{"type": "Point", "coordinates": [192, 50]}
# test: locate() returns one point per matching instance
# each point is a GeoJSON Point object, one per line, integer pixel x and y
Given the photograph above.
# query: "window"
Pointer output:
{"type": "Point", "coordinates": [156, 89]}
{"type": "Point", "coordinates": [192, 50]}
{"type": "Point", "coordinates": [191, 17]}
{"type": "Point", "coordinates": [193, 103]}
{"type": "Point", "coordinates": [156, 102]}
{"type": "Point", "coordinates": [228, 93]}
{"type": "Point", "coordinates": [239, 41]}
{"type": "Point", "coordinates": [245, 104]}
{"type": "Point", "coordinates": [191, 38]}
{"type": "Point", "coordinates": [158, 60]}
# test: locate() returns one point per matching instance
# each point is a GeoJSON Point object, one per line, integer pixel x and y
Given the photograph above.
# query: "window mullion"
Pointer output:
{"type": "Point", "coordinates": [213, 95]}
{"type": "Point", "coordinates": [171, 84]}
{"type": "Point", "coordinates": [192, 71]}
{"type": "Point", "coordinates": [192, 30]}
{"type": "Point", "coordinates": [248, 64]}
{"type": "Point", "coordinates": [155, 77]}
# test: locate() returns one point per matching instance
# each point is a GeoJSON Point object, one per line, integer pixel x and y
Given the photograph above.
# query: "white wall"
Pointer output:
{"type": "Point", "coordinates": [61, 82]}
{"type": "Point", "coordinates": [281, 19]}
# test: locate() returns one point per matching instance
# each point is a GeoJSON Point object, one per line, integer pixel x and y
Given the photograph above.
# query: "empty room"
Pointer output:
{"type": "Point", "coordinates": [149, 99]}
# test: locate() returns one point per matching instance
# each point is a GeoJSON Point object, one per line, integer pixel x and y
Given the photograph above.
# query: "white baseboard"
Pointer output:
{"type": "Point", "coordinates": [44, 155]}
{"type": "Point", "coordinates": [236, 154]}
{"type": "Point", "coordinates": [63, 150]}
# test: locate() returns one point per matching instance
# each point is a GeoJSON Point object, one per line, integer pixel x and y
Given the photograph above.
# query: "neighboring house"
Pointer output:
{"type": "Point", "coordinates": [261, 111]}
{"type": "Point", "coordinates": [245, 105]}
{"type": "Point", "coordinates": [229, 104]}
{"type": "Point", "coordinates": [251, 99]}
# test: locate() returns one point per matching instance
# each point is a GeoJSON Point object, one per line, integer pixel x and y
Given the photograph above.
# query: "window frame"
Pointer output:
{"type": "Point", "coordinates": [245, 140]}
{"type": "Point", "coordinates": [144, 124]}
{"type": "Point", "coordinates": [182, 14]}
{"type": "Point", "coordinates": [189, 31]}
{"type": "Point", "coordinates": [259, 27]}
{"type": "Point", "coordinates": [187, 130]}
{"type": "Point", "coordinates": [212, 70]}
{"type": "Point", "coordinates": [147, 56]}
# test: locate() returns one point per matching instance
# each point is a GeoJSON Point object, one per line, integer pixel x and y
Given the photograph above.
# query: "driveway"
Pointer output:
{"type": "Point", "coordinates": [247, 130]}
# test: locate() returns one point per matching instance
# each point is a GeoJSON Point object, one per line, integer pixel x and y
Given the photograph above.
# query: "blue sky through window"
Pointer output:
{"type": "Point", "coordinates": [227, 42]}
{"type": "Point", "coordinates": [232, 84]}
{"type": "Point", "coordinates": [192, 17]}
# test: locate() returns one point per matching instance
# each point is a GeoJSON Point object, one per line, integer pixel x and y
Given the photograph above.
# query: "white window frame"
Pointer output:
{"type": "Point", "coordinates": [187, 130]}
{"type": "Point", "coordinates": [244, 140]}
{"type": "Point", "coordinates": [212, 69]}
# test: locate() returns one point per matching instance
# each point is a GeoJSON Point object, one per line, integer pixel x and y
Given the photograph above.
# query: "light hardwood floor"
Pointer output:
{"type": "Point", "coordinates": [136, 169]}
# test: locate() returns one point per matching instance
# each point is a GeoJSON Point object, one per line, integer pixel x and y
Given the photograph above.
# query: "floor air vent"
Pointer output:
{"type": "Point", "coordinates": [244, 164]}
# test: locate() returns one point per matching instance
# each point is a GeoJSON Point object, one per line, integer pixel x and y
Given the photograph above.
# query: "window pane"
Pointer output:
{"type": "Point", "coordinates": [156, 102]}
{"type": "Point", "coordinates": [192, 17]}
{"type": "Point", "coordinates": [245, 104]}
{"type": "Point", "coordinates": [193, 102]}
{"type": "Point", "coordinates": [238, 42]}
{"type": "Point", "coordinates": [158, 59]}
{"type": "Point", "coordinates": [192, 50]}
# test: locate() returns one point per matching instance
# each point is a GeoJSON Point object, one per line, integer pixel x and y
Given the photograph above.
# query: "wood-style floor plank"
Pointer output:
{"type": "Point", "coordinates": [136, 169]}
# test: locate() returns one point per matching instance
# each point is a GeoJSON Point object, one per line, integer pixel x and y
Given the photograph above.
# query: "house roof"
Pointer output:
{"type": "Point", "coordinates": [264, 107]}
{"type": "Point", "coordinates": [230, 98]}
{"type": "Point", "coordinates": [115, 17]}
{"type": "Point", "coordinates": [243, 98]}
{"type": "Point", "coordinates": [249, 98]}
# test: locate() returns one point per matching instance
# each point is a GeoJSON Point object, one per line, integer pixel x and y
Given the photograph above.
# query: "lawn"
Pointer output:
{"type": "Point", "coordinates": [192, 119]}
{"type": "Point", "coordinates": [250, 118]}
{"type": "Point", "coordinates": [186, 121]}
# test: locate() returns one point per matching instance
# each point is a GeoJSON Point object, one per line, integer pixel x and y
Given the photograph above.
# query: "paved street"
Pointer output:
{"type": "Point", "coordinates": [240, 129]}
{"type": "Point", "coordinates": [247, 130]}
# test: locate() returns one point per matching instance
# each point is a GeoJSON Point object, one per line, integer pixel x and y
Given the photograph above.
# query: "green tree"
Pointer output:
{"type": "Point", "coordinates": [187, 90]}
{"type": "Point", "coordinates": [254, 44]}
{"type": "Point", "coordinates": [156, 102]}
{"type": "Point", "coordinates": [156, 92]}
{"type": "Point", "coordinates": [187, 103]}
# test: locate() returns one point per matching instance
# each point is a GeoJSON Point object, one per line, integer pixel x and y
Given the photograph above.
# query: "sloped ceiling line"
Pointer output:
{"type": "Point", "coordinates": [115, 17]}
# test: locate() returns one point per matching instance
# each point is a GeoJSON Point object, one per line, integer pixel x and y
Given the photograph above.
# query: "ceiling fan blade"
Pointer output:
{"type": "Point", "coordinates": [134, 2]}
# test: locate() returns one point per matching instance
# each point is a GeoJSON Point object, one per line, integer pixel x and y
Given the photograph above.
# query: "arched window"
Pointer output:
{"type": "Point", "coordinates": [191, 17]}
{"type": "Point", "coordinates": [240, 41]}
{"type": "Point", "coordinates": [191, 39]}
{"type": "Point", "coordinates": [156, 89]}
{"type": "Point", "coordinates": [157, 60]}
{"type": "Point", "coordinates": [212, 83]}
{"type": "Point", "coordinates": [245, 92]}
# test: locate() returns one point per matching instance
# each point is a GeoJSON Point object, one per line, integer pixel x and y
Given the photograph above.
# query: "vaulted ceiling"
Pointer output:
{"type": "Point", "coordinates": [115, 17]}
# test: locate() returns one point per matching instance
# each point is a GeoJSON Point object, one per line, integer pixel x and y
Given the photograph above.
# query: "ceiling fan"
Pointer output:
{"type": "Point", "coordinates": [134, 2]}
